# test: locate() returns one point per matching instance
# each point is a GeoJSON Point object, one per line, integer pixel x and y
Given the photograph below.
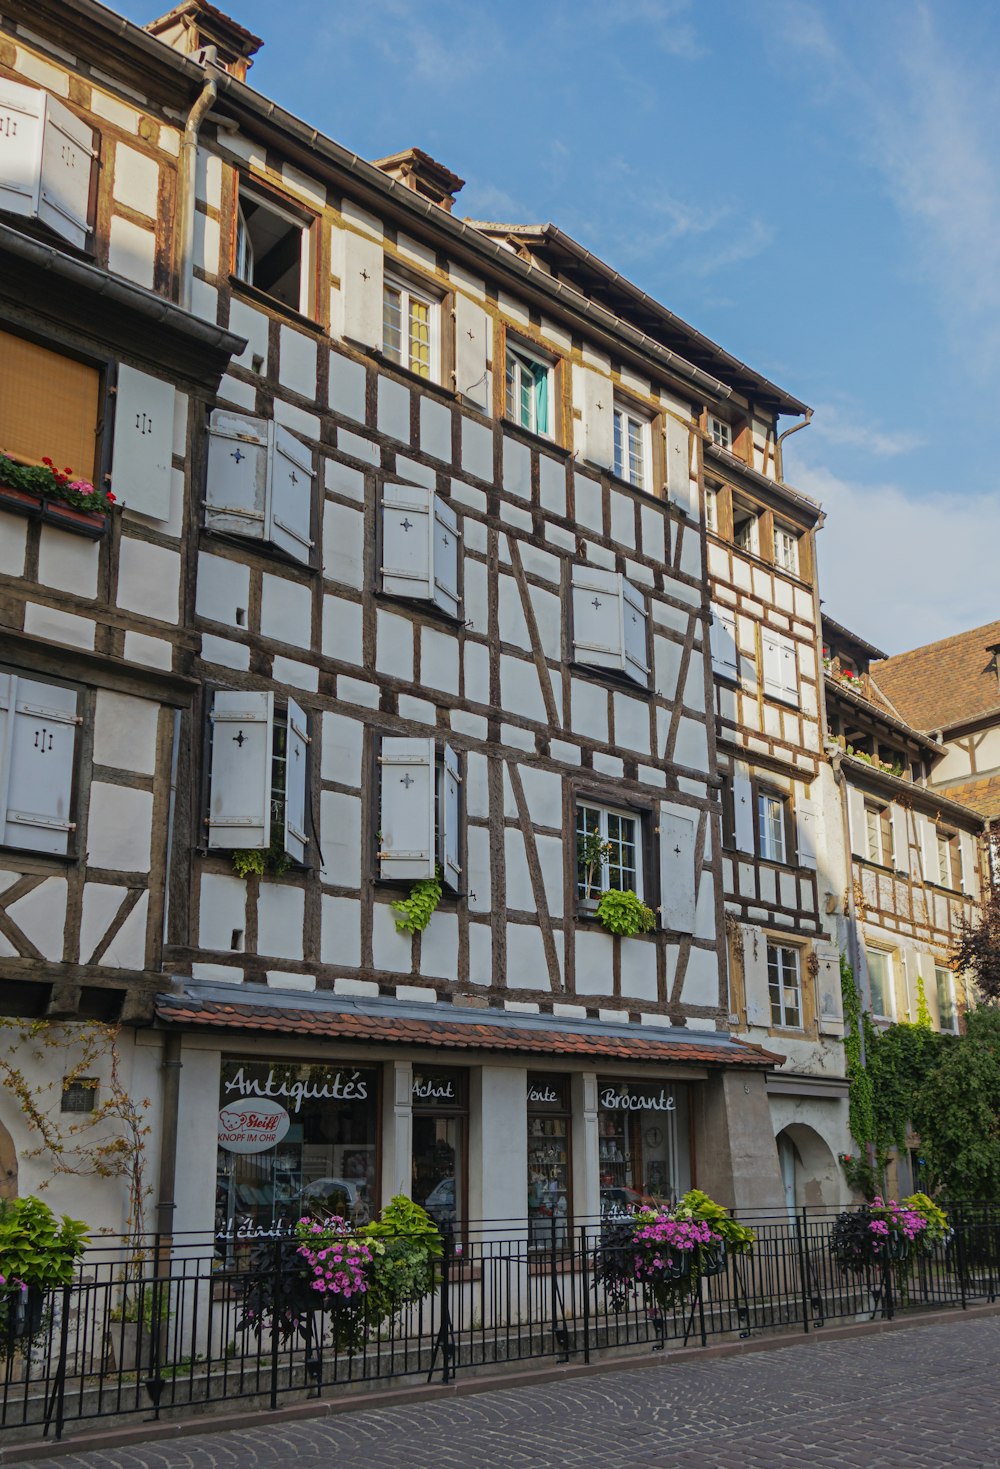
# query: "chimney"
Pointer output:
{"type": "Point", "coordinates": [421, 173]}
{"type": "Point", "coordinates": [195, 28]}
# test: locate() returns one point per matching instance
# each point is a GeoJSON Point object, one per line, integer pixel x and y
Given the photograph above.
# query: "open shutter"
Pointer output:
{"type": "Point", "coordinates": [743, 813]}
{"type": "Point", "coordinates": [67, 165]}
{"type": "Point", "coordinates": [236, 486]}
{"type": "Point", "coordinates": [758, 1000]}
{"type": "Point", "coordinates": [472, 349]}
{"type": "Point", "coordinates": [677, 868]}
{"type": "Point", "coordinates": [406, 822]}
{"type": "Point", "coordinates": [141, 469]}
{"type": "Point", "coordinates": [22, 121]}
{"type": "Point", "coordinates": [296, 766]}
{"type": "Point", "coordinates": [930, 865]}
{"type": "Point", "coordinates": [969, 850]}
{"type": "Point", "coordinates": [361, 278]}
{"type": "Point", "coordinates": [290, 500]}
{"type": "Point", "coordinates": [856, 822]}
{"type": "Point", "coordinates": [408, 531]}
{"type": "Point", "coordinates": [722, 639]}
{"type": "Point", "coordinates": [680, 488]}
{"type": "Point", "coordinates": [807, 828]}
{"type": "Point", "coordinates": [447, 538]}
{"type": "Point", "coordinates": [633, 608]}
{"type": "Point", "coordinates": [900, 839]}
{"type": "Point", "coordinates": [774, 686]}
{"type": "Point", "coordinates": [451, 816]}
{"type": "Point", "coordinates": [240, 797]}
{"type": "Point", "coordinates": [593, 396]}
{"type": "Point", "coordinates": [38, 724]}
{"type": "Point", "coordinates": [598, 630]}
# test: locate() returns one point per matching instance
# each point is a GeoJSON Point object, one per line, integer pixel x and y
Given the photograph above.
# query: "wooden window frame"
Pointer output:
{"type": "Point", "coordinates": [396, 277]}
{"type": "Point", "coordinates": [648, 421]}
{"type": "Point", "coordinates": [888, 955]}
{"type": "Point", "coordinates": [641, 843]}
{"type": "Point", "coordinates": [783, 947]}
{"type": "Point", "coordinates": [940, 969]}
{"type": "Point", "coordinates": [530, 344]}
{"type": "Point", "coordinates": [285, 206]}
{"type": "Point", "coordinates": [763, 791]}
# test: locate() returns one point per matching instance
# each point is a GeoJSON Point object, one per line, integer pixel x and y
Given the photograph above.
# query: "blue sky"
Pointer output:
{"type": "Point", "coordinates": [815, 185]}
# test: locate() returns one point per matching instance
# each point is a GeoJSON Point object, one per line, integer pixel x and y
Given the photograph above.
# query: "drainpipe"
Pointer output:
{"type": "Point", "coordinates": [779, 454]}
{"type": "Point", "coordinates": [853, 947]}
{"type": "Point", "coordinates": [188, 179]}
{"type": "Point", "coordinates": [166, 1204]}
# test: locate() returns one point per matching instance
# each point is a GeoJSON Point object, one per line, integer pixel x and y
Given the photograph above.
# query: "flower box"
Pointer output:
{"type": "Point", "coordinates": [56, 512]}
{"type": "Point", "coordinates": [45, 493]}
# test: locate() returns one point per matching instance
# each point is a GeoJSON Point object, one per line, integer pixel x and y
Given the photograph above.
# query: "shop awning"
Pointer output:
{"type": "Point", "coordinates": [255, 1009]}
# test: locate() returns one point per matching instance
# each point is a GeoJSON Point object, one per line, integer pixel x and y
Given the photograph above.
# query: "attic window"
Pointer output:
{"type": "Point", "coordinates": [722, 433]}
{"type": "Point", "coordinates": [270, 244]}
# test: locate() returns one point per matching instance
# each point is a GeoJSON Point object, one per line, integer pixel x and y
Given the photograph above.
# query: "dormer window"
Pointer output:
{"type": "Point", "coordinates": [528, 386]}
{"type": "Point", "coordinates": [722, 433]}
{"type": "Point", "coordinates": [270, 250]}
{"type": "Point", "coordinates": [745, 532]}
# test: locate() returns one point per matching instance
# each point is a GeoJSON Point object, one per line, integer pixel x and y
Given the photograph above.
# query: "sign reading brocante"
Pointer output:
{"type": "Point", "coordinates": [619, 1096]}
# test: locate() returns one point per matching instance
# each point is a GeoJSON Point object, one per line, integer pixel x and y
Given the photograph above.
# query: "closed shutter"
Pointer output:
{"type": "Point", "coordinates": [774, 685]}
{"type": "Point", "coordinates": [67, 166]}
{"type": "Point", "coordinates": [969, 850]}
{"type": "Point", "coordinates": [593, 397]}
{"type": "Point", "coordinates": [451, 817]}
{"type": "Point", "coordinates": [807, 828]}
{"type": "Point", "coordinates": [633, 605]}
{"type": "Point", "coordinates": [789, 671]}
{"type": "Point", "coordinates": [408, 533]}
{"type": "Point", "coordinates": [743, 813]}
{"type": "Point", "coordinates": [407, 808]}
{"type": "Point", "coordinates": [240, 786]}
{"type": "Point", "coordinates": [22, 122]}
{"type": "Point", "coordinates": [758, 1000]}
{"type": "Point", "coordinates": [473, 331]}
{"type": "Point", "coordinates": [141, 470]}
{"type": "Point", "coordinates": [722, 638]}
{"type": "Point", "coordinates": [447, 539]}
{"type": "Point", "coordinates": [290, 500]}
{"type": "Point", "coordinates": [296, 767]}
{"type": "Point", "coordinates": [597, 617]}
{"type": "Point", "coordinates": [829, 999]}
{"type": "Point", "coordinates": [680, 488]}
{"type": "Point", "coordinates": [236, 486]}
{"type": "Point", "coordinates": [856, 822]}
{"type": "Point", "coordinates": [930, 865]}
{"type": "Point", "coordinates": [677, 869]}
{"type": "Point", "coordinates": [900, 839]}
{"type": "Point", "coordinates": [38, 724]}
{"type": "Point", "coordinates": [361, 280]}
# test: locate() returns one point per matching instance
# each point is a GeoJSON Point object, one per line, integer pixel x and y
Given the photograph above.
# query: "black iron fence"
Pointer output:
{"type": "Point", "coordinates": [159, 1326]}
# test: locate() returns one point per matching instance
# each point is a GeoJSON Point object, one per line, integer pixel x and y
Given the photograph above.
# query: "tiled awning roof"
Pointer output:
{"type": "Point", "coordinates": [257, 1011]}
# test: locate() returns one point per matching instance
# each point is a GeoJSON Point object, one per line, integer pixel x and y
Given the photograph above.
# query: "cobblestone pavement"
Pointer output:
{"type": "Point", "coordinates": [926, 1396]}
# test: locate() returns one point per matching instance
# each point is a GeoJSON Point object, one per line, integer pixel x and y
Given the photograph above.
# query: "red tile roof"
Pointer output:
{"type": "Point", "coordinates": [629, 1045]}
{"type": "Point", "coordinates": [944, 683]}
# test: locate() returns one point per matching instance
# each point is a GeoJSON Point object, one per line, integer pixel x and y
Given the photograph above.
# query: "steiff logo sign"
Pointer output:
{"type": "Point", "coordinates": [252, 1127]}
{"type": "Point", "coordinates": [632, 1099]}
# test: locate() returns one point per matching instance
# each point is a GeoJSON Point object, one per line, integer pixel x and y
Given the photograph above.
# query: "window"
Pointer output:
{"type": "Point", "coordinates": [772, 812]}
{"type": "Point", "coordinates": [440, 1102]}
{"type": "Point", "coordinates": [410, 328]}
{"type": "Point", "coordinates": [257, 784]}
{"type": "Point", "coordinates": [745, 534]}
{"type": "Point", "coordinates": [38, 725]}
{"type": "Point", "coordinates": [47, 162]}
{"type": "Point", "coordinates": [711, 508]}
{"type": "Point", "coordinates": [948, 858]}
{"type": "Point", "coordinates": [270, 249]}
{"type": "Point", "coordinates": [608, 852]}
{"type": "Point", "coordinates": [550, 1136]}
{"type": "Point", "coordinates": [631, 435]}
{"type": "Point", "coordinates": [880, 980]}
{"type": "Point", "coordinates": [722, 433]}
{"type": "Point", "coordinates": [784, 985]}
{"type": "Point", "coordinates": [420, 545]}
{"type": "Point", "coordinates": [945, 983]}
{"type": "Point", "coordinates": [49, 406]}
{"type": "Point", "coordinates": [609, 622]}
{"type": "Point", "coordinates": [786, 550]}
{"type": "Point", "coordinates": [259, 483]}
{"type": "Point", "coordinates": [420, 811]}
{"type": "Point", "coordinates": [878, 834]}
{"type": "Point", "coordinates": [79, 1095]}
{"type": "Point", "coordinates": [528, 391]}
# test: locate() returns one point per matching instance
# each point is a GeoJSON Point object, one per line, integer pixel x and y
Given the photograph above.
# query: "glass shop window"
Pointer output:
{"type": "Point", "coordinates": [549, 1175]}
{"type": "Point", "coordinates": [440, 1145]}
{"type": "Point", "coordinates": [644, 1150]}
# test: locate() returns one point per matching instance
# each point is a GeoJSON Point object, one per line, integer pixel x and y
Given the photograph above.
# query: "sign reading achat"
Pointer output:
{"type": "Point", "coordinates": [252, 1127]}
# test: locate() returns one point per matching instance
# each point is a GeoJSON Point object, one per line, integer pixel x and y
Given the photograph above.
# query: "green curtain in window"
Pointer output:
{"type": "Point", "coordinates": [541, 400]}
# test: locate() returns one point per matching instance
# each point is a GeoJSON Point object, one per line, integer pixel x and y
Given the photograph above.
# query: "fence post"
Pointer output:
{"type": "Point", "coordinates": [275, 1288]}
{"type": "Point", "coordinates": [446, 1308]}
{"type": "Point", "coordinates": [960, 1255]}
{"type": "Point", "coordinates": [61, 1368]}
{"type": "Point", "coordinates": [585, 1287]}
{"type": "Point", "coordinates": [800, 1226]}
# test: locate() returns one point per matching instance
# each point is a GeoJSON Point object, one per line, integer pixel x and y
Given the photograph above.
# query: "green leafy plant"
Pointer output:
{"type": "Point", "coordinates": [248, 860]}
{"type": "Point", "coordinates": [258, 860]}
{"type": "Point", "coordinates": [667, 1252]}
{"type": "Point", "coordinates": [624, 913]}
{"type": "Point", "coordinates": [36, 1248]}
{"type": "Point", "coordinates": [56, 484]}
{"type": "Point", "coordinates": [592, 852]}
{"type": "Point", "coordinates": [406, 1245]}
{"type": "Point", "coordinates": [860, 1174]}
{"type": "Point", "coordinates": [416, 911]}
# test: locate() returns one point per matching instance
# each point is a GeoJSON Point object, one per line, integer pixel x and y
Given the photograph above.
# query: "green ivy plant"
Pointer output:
{"type": "Point", "coordinates": [624, 913]}
{"type": "Point", "coordinates": [416, 911]}
{"type": "Point", "coordinates": [258, 860]}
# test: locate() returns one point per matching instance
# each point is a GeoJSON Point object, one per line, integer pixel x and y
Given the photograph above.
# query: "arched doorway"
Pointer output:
{"type": "Point", "coordinates": [8, 1165]}
{"type": "Point", "coordinates": [809, 1171]}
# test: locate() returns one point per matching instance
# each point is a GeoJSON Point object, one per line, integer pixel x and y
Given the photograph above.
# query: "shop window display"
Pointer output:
{"type": "Point", "coordinates": [549, 1180]}
{"type": "Point", "coordinates": [440, 1140]}
{"type": "Point", "coordinates": [643, 1145]}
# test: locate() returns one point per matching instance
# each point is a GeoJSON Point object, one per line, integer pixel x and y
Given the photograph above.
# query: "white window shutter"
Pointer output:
{"type": "Point", "coordinates": [634, 618]}
{"type": "Point", "coordinates": [296, 766]}
{"type": "Point", "coordinates": [451, 816]}
{"type": "Point", "coordinates": [598, 629]}
{"type": "Point", "coordinates": [807, 828]}
{"type": "Point", "coordinates": [969, 850]}
{"type": "Point", "coordinates": [593, 396]}
{"type": "Point", "coordinates": [141, 470]}
{"type": "Point", "coordinates": [236, 486]}
{"type": "Point", "coordinates": [856, 822]}
{"type": "Point", "coordinates": [240, 795]}
{"type": "Point", "coordinates": [408, 535]}
{"type": "Point", "coordinates": [774, 686]}
{"type": "Point", "coordinates": [789, 670]}
{"type": "Point", "coordinates": [290, 499]}
{"type": "Point", "coordinates": [681, 490]}
{"type": "Point", "coordinates": [900, 840]}
{"type": "Point", "coordinates": [22, 122]}
{"type": "Point", "coordinates": [67, 166]}
{"type": "Point", "coordinates": [828, 992]}
{"type": "Point", "coordinates": [473, 335]}
{"type": "Point", "coordinates": [361, 276]}
{"type": "Point", "coordinates": [743, 812]}
{"type": "Point", "coordinates": [722, 639]}
{"type": "Point", "coordinates": [38, 723]}
{"type": "Point", "coordinates": [755, 989]}
{"type": "Point", "coordinates": [407, 813]}
{"type": "Point", "coordinates": [447, 539]}
{"type": "Point", "coordinates": [928, 850]}
{"type": "Point", "coordinates": [677, 868]}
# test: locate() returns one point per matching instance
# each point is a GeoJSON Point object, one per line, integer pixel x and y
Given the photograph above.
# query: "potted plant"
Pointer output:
{"type": "Point", "coordinates": [882, 1231]}
{"type": "Point", "coordinates": [39, 1253]}
{"type": "Point", "coordinates": [57, 495]}
{"type": "Point", "coordinates": [667, 1252]}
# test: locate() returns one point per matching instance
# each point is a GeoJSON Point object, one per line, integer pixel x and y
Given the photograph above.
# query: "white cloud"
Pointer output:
{"type": "Point", "coordinates": [841, 428]}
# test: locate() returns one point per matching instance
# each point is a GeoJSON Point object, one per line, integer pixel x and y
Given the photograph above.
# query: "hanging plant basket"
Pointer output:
{"type": "Point", "coordinates": [23, 1312]}
{"type": "Point", "coordinates": [713, 1259]}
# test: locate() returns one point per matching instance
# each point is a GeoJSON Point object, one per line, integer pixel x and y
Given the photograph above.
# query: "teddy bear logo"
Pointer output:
{"type": "Point", "coordinates": [232, 1121]}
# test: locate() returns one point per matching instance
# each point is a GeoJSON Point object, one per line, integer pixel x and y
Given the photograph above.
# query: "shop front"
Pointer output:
{"type": "Point", "coordinates": [549, 1118]}
{"type": "Point", "coordinates": [440, 1104]}
{"type": "Point", "coordinates": [644, 1144]}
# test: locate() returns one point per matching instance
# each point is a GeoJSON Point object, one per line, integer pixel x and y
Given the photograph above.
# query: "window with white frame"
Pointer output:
{"type": "Point", "coordinates": [786, 550]}
{"type": "Point", "coordinates": [410, 328]}
{"type": "Point", "coordinates": [878, 833]}
{"type": "Point", "coordinates": [880, 982]}
{"type": "Point", "coordinates": [722, 433]}
{"type": "Point", "coordinates": [608, 851]}
{"type": "Point", "coordinates": [631, 446]}
{"type": "Point", "coordinates": [947, 1010]}
{"type": "Point", "coordinates": [38, 745]}
{"type": "Point", "coordinates": [711, 507]}
{"type": "Point", "coordinates": [259, 483]}
{"type": "Point", "coordinates": [948, 858]}
{"type": "Point", "coordinates": [745, 527]}
{"type": "Point", "coordinates": [258, 775]}
{"type": "Point", "coordinates": [271, 248]}
{"type": "Point", "coordinates": [419, 811]}
{"type": "Point", "coordinates": [528, 390]}
{"type": "Point", "coordinates": [784, 985]}
{"type": "Point", "coordinates": [421, 536]}
{"type": "Point", "coordinates": [772, 822]}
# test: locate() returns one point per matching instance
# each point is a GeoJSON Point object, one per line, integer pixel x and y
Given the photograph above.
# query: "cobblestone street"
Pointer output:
{"type": "Point", "coordinates": [922, 1396]}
